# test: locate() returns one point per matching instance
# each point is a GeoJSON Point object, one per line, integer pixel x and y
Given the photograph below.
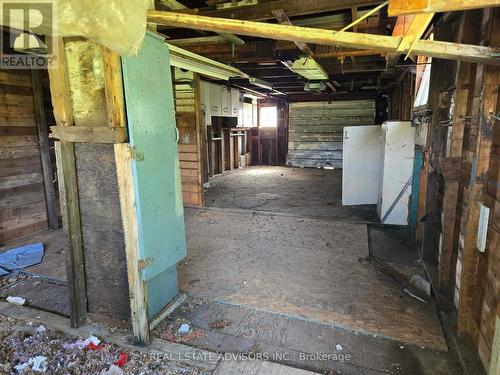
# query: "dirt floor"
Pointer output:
{"type": "Point", "coordinates": [310, 192]}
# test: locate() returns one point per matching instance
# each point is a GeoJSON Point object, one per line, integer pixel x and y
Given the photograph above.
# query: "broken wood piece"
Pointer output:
{"type": "Point", "coordinates": [99, 134]}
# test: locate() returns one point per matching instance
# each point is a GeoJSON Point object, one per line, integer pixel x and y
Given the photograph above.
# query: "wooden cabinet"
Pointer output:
{"type": "Point", "coordinates": [225, 94]}
{"type": "Point", "coordinates": [215, 100]}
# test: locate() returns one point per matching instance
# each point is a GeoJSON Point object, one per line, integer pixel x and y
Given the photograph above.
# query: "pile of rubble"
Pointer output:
{"type": "Point", "coordinates": [26, 348]}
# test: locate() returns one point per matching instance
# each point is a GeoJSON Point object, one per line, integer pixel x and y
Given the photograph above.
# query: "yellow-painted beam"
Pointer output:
{"type": "Point", "coordinates": [416, 30]}
{"type": "Point", "coordinates": [399, 7]}
{"type": "Point", "coordinates": [445, 50]}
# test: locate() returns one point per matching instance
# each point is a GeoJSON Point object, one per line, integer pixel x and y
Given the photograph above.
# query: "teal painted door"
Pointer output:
{"type": "Point", "coordinates": [152, 131]}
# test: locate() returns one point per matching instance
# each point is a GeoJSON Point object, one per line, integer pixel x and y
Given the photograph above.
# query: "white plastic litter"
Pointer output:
{"type": "Point", "coordinates": [338, 347]}
{"type": "Point", "coordinates": [113, 370]}
{"type": "Point", "coordinates": [41, 328]}
{"type": "Point", "coordinates": [16, 300]}
{"type": "Point", "coordinates": [184, 329]}
{"type": "Point", "coordinates": [82, 344]}
{"type": "Point", "coordinates": [39, 363]}
{"type": "Point", "coordinates": [21, 367]}
{"type": "Point", "coordinates": [420, 283]}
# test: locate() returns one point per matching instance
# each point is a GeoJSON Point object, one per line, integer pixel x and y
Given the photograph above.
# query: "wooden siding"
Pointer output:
{"type": "Point", "coordinates": [188, 119]}
{"type": "Point", "coordinates": [462, 170]}
{"type": "Point", "coordinates": [316, 128]}
{"type": "Point", "coordinates": [22, 195]}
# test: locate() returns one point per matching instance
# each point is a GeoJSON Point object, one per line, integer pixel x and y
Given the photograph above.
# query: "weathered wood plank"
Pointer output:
{"type": "Point", "coordinates": [43, 140]}
{"type": "Point", "coordinates": [98, 134]}
{"type": "Point", "coordinates": [138, 295]}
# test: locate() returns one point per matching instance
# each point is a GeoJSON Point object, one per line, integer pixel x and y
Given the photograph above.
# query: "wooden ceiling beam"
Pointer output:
{"type": "Point", "coordinates": [263, 10]}
{"type": "Point", "coordinates": [202, 40]}
{"type": "Point", "coordinates": [283, 19]}
{"type": "Point", "coordinates": [417, 28]}
{"type": "Point", "coordinates": [177, 6]}
{"type": "Point", "coordinates": [400, 7]}
{"type": "Point", "coordinates": [445, 50]}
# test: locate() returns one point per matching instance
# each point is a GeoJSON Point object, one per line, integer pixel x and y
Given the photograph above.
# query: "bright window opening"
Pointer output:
{"type": "Point", "coordinates": [268, 117]}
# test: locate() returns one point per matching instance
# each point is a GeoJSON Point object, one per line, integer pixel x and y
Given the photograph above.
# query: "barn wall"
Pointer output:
{"type": "Point", "coordinates": [22, 195]}
{"type": "Point", "coordinates": [461, 171]}
{"type": "Point", "coordinates": [188, 119]}
{"type": "Point", "coordinates": [316, 129]}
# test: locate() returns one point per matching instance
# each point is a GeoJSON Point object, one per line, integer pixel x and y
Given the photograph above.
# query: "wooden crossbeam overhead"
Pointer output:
{"type": "Point", "coordinates": [217, 39]}
{"type": "Point", "coordinates": [400, 7]}
{"type": "Point", "coordinates": [175, 5]}
{"type": "Point", "coordinates": [445, 50]}
{"type": "Point", "coordinates": [416, 30]}
{"type": "Point", "coordinates": [283, 19]}
{"type": "Point", "coordinates": [263, 10]}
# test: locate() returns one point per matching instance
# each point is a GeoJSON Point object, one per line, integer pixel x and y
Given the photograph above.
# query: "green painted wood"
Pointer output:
{"type": "Point", "coordinates": [152, 132]}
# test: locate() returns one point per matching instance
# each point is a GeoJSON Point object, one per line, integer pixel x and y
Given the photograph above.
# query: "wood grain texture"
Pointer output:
{"type": "Point", "coordinates": [138, 295]}
{"type": "Point", "coordinates": [301, 267]}
{"type": "Point", "coordinates": [316, 130]}
{"type": "Point", "coordinates": [22, 197]}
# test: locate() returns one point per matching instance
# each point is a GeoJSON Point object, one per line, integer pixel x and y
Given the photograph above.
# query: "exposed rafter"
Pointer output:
{"type": "Point", "coordinates": [446, 50]}
{"type": "Point", "coordinates": [416, 30]}
{"type": "Point", "coordinates": [283, 19]}
{"type": "Point", "coordinates": [399, 7]}
{"type": "Point", "coordinates": [175, 5]}
{"type": "Point", "coordinates": [263, 11]}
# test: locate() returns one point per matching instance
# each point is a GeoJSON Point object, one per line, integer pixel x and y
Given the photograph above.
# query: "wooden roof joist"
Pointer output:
{"type": "Point", "coordinates": [432, 48]}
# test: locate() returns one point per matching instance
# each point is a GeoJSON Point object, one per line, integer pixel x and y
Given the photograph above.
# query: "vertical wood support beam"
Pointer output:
{"type": "Point", "coordinates": [115, 104]}
{"type": "Point", "coordinates": [200, 137]}
{"type": "Point", "coordinates": [451, 187]}
{"type": "Point", "coordinates": [65, 156]}
{"type": "Point", "coordinates": [137, 288]}
{"type": "Point", "coordinates": [43, 139]}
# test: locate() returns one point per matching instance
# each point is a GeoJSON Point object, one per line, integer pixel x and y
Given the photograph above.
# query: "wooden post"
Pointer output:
{"type": "Point", "coordinates": [65, 156]}
{"type": "Point", "coordinates": [452, 184]}
{"type": "Point", "coordinates": [138, 296]}
{"type": "Point", "coordinates": [43, 139]}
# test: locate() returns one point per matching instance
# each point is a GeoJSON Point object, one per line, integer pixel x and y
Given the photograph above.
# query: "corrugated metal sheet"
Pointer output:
{"type": "Point", "coordinates": [315, 130]}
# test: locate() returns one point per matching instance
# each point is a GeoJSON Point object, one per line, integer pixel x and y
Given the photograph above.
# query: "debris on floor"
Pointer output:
{"type": "Point", "coordinates": [16, 300]}
{"type": "Point", "coordinates": [25, 349]}
{"type": "Point", "coordinates": [20, 257]}
{"type": "Point", "coordinates": [219, 324]}
{"type": "Point", "coordinates": [411, 288]}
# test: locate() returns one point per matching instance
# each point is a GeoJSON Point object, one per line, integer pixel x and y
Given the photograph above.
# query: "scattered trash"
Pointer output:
{"type": "Point", "coordinates": [421, 284]}
{"type": "Point", "coordinates": [39, 363]}
{"type": "Point", "coordinates": [219, 324]}
{"type": "Point", "coordinates": [21, 367]}
{"type": "Point", "coordinates": [113, 370]}
{"type": "Point", "coordinates": [20, 257]}
{"type": "Point", "coordinates": [16, 300]}
{"type": "Point", "coordinates": [91, 343]}
{"type": "Point", "coordinates": [122, 359]}
{"type": "Point", "coordinates": [400, 278]}
{"type": "Point", "coordinates": [41, 328]}
{"type": "Point", "coordinates": [401, 347]}
{"type": "Point", "coordinates": [338, 347]}
{"type": "Point", "coordinates": [184, 329]}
